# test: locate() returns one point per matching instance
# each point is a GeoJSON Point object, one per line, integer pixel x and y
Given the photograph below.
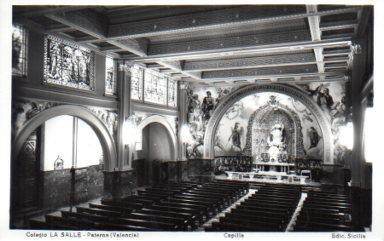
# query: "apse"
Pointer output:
{"type": "Point", "coordinates": [269, 127]}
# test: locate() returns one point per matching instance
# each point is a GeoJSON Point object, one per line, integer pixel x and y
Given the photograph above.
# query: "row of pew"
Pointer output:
{"type": "Point", "coordinates": [269, 209]}
{"type": "Point", "coordinates": [170, 207]}
{"type": "Point", "coordinates": [325, 212]}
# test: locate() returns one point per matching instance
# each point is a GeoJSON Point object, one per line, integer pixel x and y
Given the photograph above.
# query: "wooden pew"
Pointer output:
{"type": "Point", "coordinates": [261, 218]}
{"type": "Point", "coordinates": [134, 220]}
{"type": "Point", "coordinates": [255, 213]}
{"type": "Point", "coordinates": [69, 222]}
{"type": "Point", "coordinates": [190, 218]}
{"type": "Point", "coordinates": [252, 222]}
{"type": "Point", "coordinates": [230, 226]}
{"type": "Point", "coordinates": [110, 208]}
{"type": "Point", "coordinates": [101, 212]}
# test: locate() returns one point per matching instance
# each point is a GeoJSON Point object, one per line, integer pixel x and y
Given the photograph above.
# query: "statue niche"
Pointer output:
{"type": "Point", "coordinates": [274, 133]}
{"type": "Point", "coordinates": [276, 141]}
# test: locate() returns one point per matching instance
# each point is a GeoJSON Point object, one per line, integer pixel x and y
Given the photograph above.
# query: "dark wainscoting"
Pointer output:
{"type": "Point", "coordinates": [89, 184]}
{"type": "Point", "coordinates": [199, 170]}
{"type": "Point", "coordinates": [119, 184]}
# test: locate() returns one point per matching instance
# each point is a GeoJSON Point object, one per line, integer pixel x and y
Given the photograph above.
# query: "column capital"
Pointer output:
{"type": "Point", "coordinates": [126, 67]}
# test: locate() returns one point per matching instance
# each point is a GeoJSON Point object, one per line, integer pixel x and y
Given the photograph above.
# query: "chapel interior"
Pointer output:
{"type": "Point", "coordinates": [192, 118]}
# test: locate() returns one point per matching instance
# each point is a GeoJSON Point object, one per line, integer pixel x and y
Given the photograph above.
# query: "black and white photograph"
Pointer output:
{"type": "Point", "coordinates": [228, 120]}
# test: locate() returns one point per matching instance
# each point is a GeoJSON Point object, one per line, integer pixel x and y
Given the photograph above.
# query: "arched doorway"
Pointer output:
{"type": "Point", "coordinates": [289, 90]}
{"type": "Point", "coordinates": [164, 122]}
{"type": "Point", "coordinates": [158, 149]}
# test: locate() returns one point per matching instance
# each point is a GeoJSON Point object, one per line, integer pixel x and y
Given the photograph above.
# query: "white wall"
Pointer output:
{"type": "Point", "coordinates": [89, 151]}
{"type": "Point", "coordinates": [58, 136]}
{"type": "Point", "coordinates": [58, 141]}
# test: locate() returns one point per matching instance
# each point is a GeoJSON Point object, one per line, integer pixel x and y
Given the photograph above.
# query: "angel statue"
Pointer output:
{"type": "Point", "coordinates": [237, 132]}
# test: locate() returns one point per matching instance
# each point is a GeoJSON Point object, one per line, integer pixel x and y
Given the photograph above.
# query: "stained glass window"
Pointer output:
{"type": "Point", "coordinates": [155, 87]}
{"type": "Point", "coordinates": [110, 76]}
{"type": "Point", "coordinates": [172, 93]}
{"type": "Point", "coordinates": [67, 64]}
{"type": "Point", "coordinates": [158, 88]}
{"type": "Point", "coordinates": [19, 50]}
{"type": "Point", "coordinates": [137, 74]}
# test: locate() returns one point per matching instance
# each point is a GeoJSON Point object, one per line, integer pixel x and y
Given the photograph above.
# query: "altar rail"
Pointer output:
{"type": "Point", "coordinates": [232, 163]}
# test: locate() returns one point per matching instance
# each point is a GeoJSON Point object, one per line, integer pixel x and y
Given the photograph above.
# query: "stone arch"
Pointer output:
{"type": "Point", "coordinates": [164, 122]}
{"type": "Point", "coordinates": [286, 89]}
{"type": "Point", "coordinates": [105, 138]}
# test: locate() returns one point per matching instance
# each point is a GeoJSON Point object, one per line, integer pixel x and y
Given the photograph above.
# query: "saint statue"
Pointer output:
{"type": "Point", "coordinates": [276, 142]}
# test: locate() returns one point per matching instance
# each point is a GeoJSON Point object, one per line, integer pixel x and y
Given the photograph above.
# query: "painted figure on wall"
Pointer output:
{"type": "Point", "coordinates": [235, 137]}
{"type": "Point", "coordinates": [235, 110]}
{"type": "Point", "coordinates": [322, 96]}
{"type": "Point", "coordinates": [207, 106]}
{"type": "Point", "coordinates": [340, 108]}
{"type": "Point", "coordinates": [314, 137]}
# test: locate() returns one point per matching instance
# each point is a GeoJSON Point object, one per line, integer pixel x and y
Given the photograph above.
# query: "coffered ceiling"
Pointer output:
{"type": "Point", "coordinates": [215, 44]}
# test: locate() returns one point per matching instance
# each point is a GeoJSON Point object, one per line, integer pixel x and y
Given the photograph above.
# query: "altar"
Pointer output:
{"type": "Point", "coordinates": [268, 177]}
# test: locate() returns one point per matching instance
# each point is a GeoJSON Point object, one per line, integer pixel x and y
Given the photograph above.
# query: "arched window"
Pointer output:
{"type": "Point", "coordinates": [70, 142]}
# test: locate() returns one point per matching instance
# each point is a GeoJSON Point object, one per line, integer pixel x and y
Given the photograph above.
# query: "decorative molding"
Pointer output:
{"type": "Point", "coordinates": [108, 117]}
{"type": "Point", "coordinates": [23, 111]}
{"type": "Point", "coordinates": [64, 95]}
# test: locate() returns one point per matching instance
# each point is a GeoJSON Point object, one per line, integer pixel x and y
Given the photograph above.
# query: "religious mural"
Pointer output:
{"type": "Point", "coordinates": [202, 101]}
{"type": "Point", "coordinates": [67, 64]}
{"type": "Point", "coordinates": [275, 131]}
{"type": "Point", "coordinates": [268, 125]}
{"type": "Point", "coordinates": [331, 97]}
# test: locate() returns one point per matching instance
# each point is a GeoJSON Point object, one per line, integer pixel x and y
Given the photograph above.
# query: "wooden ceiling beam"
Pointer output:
{"type": "Point", "coordinates": [314, 27]}
{"type": "Point", "coordinates": [250, 62]}
{"type": "Point", "coordinates": [258, 72]}
{"type": "Point", "coordinates": [239, 42]}
{"type": "Point", "coordinates": [296, 78]}
{"type": "Point", "coordinates": [219, 19]}
{"type": "Point", "coordinates": [85, 21]}
{"type": "Point", "coordinates": [240, 50]}
{"type": "Point", "coordinates": [177, 66]}
{"type": "Point", "coordinates": [40, 29]}
{"type": "Point", "coordinates": [94, 25]}
{"type": "Point", "coordinates": [338, 25]}
{"type": "Point", "coordinates": [46, 10]}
